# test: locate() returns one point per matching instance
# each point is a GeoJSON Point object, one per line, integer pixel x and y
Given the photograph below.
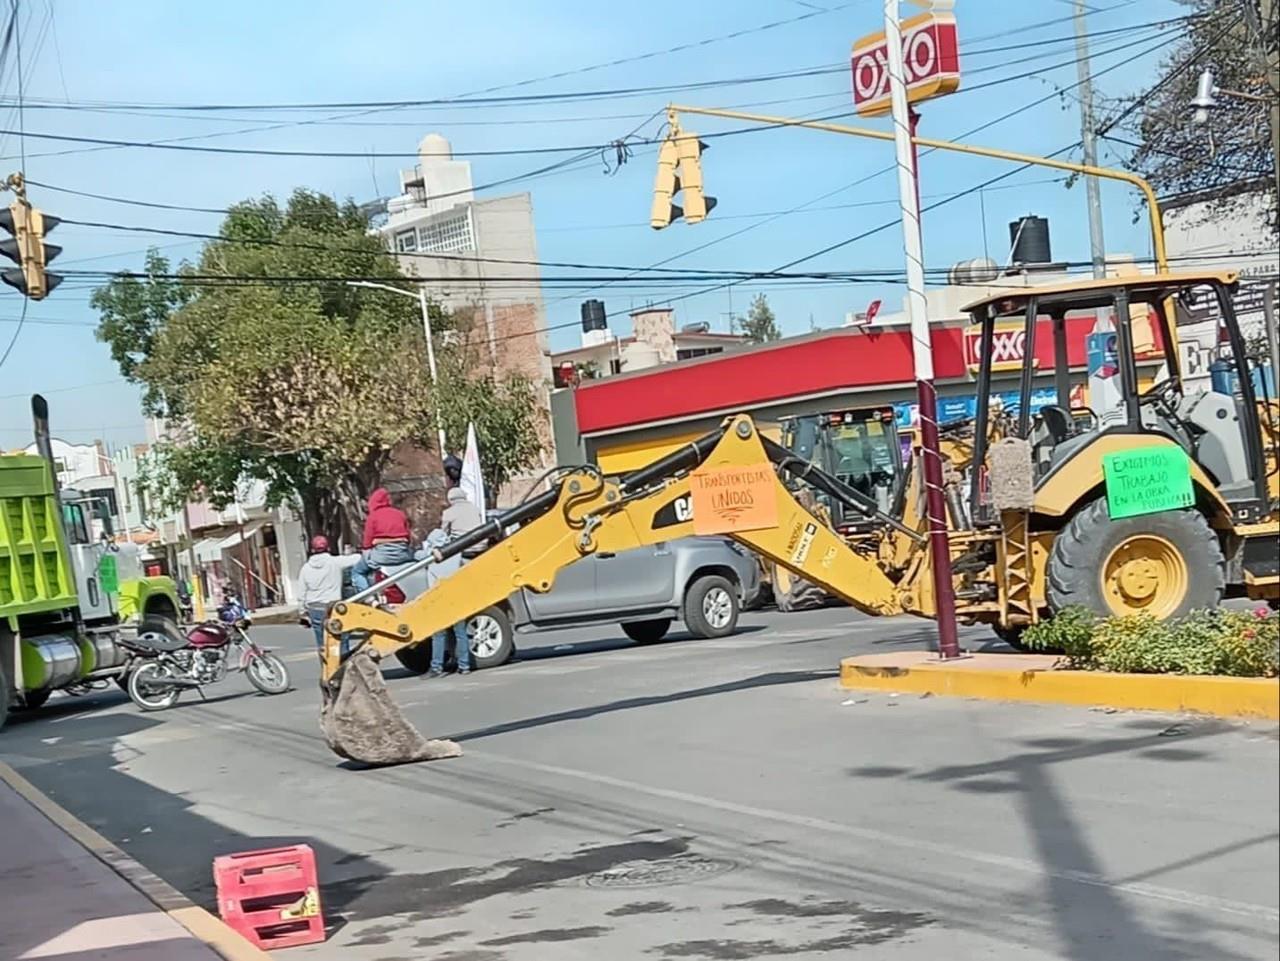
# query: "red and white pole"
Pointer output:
{"type": "Point", "coordinates": [922, 349]}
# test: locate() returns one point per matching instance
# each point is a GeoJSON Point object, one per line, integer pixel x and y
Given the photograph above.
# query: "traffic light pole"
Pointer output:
{"type": "Point", "coordinates": [904, 138]}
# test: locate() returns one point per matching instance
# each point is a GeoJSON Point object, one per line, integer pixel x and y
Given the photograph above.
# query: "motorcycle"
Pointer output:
{"type": "Point", "coordinates": [165, 661]}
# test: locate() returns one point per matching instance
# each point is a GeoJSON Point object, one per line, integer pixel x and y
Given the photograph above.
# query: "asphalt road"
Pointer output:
{"type": "Point", "coordinates": [710, 800]}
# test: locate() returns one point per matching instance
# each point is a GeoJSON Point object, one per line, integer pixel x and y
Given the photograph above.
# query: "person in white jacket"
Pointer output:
{"type": "Point", "coordinates": [320, 583]}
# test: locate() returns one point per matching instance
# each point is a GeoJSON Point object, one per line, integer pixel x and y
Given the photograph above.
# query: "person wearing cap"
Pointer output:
{"type": "Point", "coordinates": [320, 583]}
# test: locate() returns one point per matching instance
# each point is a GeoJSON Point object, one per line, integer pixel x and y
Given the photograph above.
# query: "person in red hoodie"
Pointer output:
{"type": "Point", "coordinates": [386, 540]}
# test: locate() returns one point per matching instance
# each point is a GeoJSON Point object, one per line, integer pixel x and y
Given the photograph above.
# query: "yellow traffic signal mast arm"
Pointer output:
{"type": "Point", "coordinates": [587, 513]}
{"type": "Point", "coordinates": [1108, 173]}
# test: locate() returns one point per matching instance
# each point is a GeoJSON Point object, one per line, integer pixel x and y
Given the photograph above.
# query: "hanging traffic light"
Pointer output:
{"type": "Point", "coordinates": [696, 205]}
{"type": "Point", "coordinates": [679, 170]}
{"type": "Point", "coordinates": [27, 249]}
{"type": "Point", "coordinates": [665, 186]}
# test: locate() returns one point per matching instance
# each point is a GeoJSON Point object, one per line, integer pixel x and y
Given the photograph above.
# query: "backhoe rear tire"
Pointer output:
{"type": "Point", "coordinates": [1164, 564]}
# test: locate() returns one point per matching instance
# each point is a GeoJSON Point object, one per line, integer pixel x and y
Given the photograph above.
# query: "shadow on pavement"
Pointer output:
{"type": "Point", "coordinates": [547, 650]}
{"type": "Point", "coordinates": [550, 651]}
{"type": "Point", "coordinates": [1091, 914]}
{"type": "Point", "coordinates": [162, 832]}
{"type": "Point", "coordinates": [631, 703]}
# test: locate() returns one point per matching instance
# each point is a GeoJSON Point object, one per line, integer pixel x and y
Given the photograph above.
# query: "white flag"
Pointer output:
{"type": "Point", "coordinates": [472, 482]}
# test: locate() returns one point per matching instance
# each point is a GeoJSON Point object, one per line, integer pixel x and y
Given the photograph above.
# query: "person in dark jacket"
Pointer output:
{"type": "Point", "coordinates": [386, 540]}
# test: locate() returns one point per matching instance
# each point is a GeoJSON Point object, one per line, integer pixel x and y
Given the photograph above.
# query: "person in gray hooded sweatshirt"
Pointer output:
{"type": "Point", "coordinates": [320, 583]}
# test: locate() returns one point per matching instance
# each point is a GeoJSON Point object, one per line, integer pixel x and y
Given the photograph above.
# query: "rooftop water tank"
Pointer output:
{"type": "Point", "coordinates": [1029, 238]}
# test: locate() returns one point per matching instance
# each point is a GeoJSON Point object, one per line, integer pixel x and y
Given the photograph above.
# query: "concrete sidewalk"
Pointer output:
{"type": "Point", "coordinates": [62, 901]}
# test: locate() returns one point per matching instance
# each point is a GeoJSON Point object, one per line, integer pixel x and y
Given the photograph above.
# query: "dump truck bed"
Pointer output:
{"type": "Point", "coordinates": [35, 568]}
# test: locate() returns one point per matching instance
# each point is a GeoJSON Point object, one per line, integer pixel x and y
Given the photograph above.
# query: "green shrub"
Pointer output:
{"type": "Point", "coordinates": [1250, 643]}
{"type": "Point", "coordinates": [1237, 643]}
{"type": "Point", "coordinates": [1069, 633]}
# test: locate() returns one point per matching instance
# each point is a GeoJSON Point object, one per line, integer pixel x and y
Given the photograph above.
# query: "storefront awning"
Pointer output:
{"type": "Point", "coordinates": [209, 550]}
{"type": "Point", "coordinates": [244, 534]}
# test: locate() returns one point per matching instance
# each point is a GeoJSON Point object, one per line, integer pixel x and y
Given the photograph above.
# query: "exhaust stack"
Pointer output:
{"type": "Point", "coordinates": [44, 441]}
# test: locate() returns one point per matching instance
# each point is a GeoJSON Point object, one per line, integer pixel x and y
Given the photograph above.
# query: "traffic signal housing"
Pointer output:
{"type": "Point", "coordinates": [27, 249]}
{"type": "Point", "coordinates": [665, 187]}
{"type": "Point", "coordinates": [679, 172]}
{"type": "Point", "coordinates": [696, 204]}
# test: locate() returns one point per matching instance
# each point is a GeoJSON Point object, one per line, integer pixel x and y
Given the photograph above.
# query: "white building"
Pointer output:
{"type": "Point", "coordinates": [1241, 242]}
{"type": "Point", "coordinates": [76, 463]}
{"type": "Point", "coordinates": [472, 254]}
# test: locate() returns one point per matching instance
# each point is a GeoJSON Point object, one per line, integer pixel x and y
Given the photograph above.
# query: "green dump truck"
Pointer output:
{"type": "Point", "coordinates": [60, 590]}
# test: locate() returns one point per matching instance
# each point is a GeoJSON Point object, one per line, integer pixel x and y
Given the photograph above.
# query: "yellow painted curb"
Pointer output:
{"type": "Point", "coordinates": [1221, 696]}
{"type": "Point", "coordinates": [202, 925]}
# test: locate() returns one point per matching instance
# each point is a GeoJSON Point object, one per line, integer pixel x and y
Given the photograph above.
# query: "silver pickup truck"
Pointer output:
{"type": "Point", "coordinates": [703, 581]}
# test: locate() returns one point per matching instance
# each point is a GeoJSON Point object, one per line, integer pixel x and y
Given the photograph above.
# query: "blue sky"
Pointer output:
{"type": "Point", "coordinates": [78, 51]}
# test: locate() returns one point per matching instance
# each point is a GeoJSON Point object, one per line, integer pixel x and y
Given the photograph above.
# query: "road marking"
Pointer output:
{"type": "Point", "coordinates": [1150, 891]}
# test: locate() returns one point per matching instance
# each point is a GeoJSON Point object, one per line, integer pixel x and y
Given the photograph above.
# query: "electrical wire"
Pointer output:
{"type": "Point", "coordinates": [884, 170]}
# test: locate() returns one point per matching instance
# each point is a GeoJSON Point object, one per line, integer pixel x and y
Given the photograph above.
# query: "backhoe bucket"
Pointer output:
{"type": "Point", "coordinates": [363, 724]}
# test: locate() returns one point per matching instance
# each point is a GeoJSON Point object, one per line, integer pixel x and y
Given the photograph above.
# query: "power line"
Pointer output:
{"type": "Point", "coordinates": [473, 101]}
{"type": "Point", "coordinates": [887, 169]}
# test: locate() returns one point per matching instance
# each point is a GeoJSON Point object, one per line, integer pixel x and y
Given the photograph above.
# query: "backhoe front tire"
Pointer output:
{"type": "Point", "coordinates": [1164, 564]}
{"type": "Point", "coordinates": [792, 593]}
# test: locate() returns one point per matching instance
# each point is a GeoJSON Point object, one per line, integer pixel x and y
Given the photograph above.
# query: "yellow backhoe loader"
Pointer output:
{"type": "Point", "coordinates": [1159, 503]}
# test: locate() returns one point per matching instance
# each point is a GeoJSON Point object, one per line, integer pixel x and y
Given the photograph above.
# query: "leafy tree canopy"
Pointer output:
{"type": "Point", "coordinates": [759, 325]}
{"type": "Point", "coordinates": [275, 368]}
{"type": "Point", "coordinates": [1231, 154]}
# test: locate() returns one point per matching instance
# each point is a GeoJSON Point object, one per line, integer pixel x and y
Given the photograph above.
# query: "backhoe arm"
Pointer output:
{"type": "Point", "coordinates": [587, 513]}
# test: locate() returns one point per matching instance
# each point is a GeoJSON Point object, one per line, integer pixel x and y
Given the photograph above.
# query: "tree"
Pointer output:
{"type": "Point", "coordinates": [759, 326]}
{"type": "Point", "coordinates": [1231, 154]}
{"type": "Point", "coordinates": [306, 384]}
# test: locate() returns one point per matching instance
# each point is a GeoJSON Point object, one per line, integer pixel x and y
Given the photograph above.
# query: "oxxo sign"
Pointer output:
{"type": "Point", "coordinates": [1008, 344]}
{"type": "Point", "coordinates": [931, 59]}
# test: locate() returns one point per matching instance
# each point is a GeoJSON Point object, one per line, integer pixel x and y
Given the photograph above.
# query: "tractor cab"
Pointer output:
{"type": "Point", "coordinates": [1110, 349]}
{"type": "Point", "coordinates": [859, 447]}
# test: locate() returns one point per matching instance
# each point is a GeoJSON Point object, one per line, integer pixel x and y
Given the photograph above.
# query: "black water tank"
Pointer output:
{"type": "Point", "coordinates": [1029, 237]}
{"type": "Point", "coordinates": [593, 316]}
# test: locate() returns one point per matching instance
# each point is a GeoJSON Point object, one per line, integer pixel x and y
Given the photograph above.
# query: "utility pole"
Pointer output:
{"type": "Point", "coordinates": [1088, 136]}
{"type": "Point", "coordinates": [904, 123]}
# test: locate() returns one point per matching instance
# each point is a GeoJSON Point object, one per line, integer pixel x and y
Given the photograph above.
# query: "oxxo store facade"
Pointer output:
{"type": "Point", "coordinates": [624, 422]}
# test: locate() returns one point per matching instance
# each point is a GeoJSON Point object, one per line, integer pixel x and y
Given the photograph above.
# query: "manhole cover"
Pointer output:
{"type": "Point", "coordinates": [683, 869]}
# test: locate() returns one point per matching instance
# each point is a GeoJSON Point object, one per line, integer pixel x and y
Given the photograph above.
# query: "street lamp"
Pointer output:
{"type": "Point", "coordinates": [421, 297]}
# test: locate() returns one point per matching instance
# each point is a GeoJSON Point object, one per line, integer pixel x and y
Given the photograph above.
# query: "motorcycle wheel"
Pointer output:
{"type": "Point", "coordinates": [268, 674]}
{"type": "Point", "coordinates": [148, 688]}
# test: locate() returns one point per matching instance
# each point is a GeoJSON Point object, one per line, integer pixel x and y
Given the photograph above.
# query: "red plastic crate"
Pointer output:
{"type": "Point", "coordinates": [272, 897]}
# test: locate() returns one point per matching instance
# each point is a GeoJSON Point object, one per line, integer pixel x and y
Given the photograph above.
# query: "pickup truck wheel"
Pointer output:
{"type": "Point", "coordinates": [711, 607]}
{"type": "Point", "coordinates": [647, 632]}
{"type": "Point", "coordinates": [492, 638]}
